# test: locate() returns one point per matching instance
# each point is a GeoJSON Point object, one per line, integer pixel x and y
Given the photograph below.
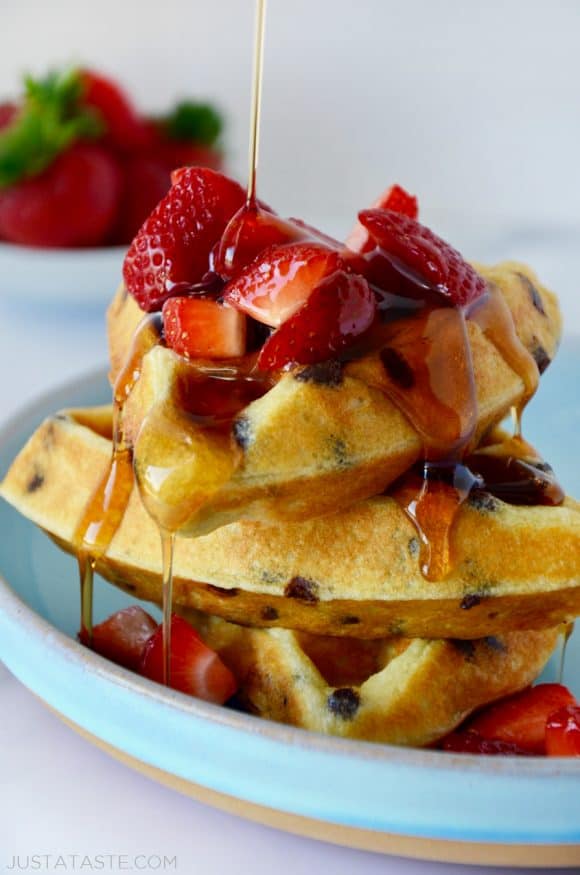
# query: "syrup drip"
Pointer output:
{"type": "Point", "coordinates": [256, 99]}
{"type": "Point", "coordinates": [106, 507]}
{"type": "Point", "coordinates": [430, 378]}
{"type": "Point", "coordinates": [494, 317]}
{"type": "Point", "coordinates": [427, 361]}
{"type": "Point", "coordinates": [566, 635]}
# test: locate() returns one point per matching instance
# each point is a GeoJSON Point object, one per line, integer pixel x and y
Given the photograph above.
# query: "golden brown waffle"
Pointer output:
{"type": "Point", "coordinates": [406, 692]}
{"type": "Point", "coordinates": [307, 448]}
{"type": "Point", "coordinates": [354, 574]}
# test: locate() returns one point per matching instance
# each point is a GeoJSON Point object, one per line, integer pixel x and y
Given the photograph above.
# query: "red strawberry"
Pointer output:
{"type": "Point", "coordinates": [175, 242]}
{"type": "Point", "coordinates": [194, 668]}
{"type": "Point", "coordinates": [468, 741]}
{"type": "Point", "coordinates": [339, 310]}
{"type": "Point", "coordinates": [252, 230]}
{"type": "Point", "coordinates": [7, 114]}
{"type": "Point", "coordinates": [202, 328]}
{"type": "Point", "coordinates": [124, 128]}
{"type": "Point", "coordinates": [145, 182]}
{"type": "Point", "coordinates": [424, 259]}
{"type": "Point", "coordinates": [174, 154]}
{"type": "Point", "coordinates": [563, 732]}
{"type": "Point", "coordinates": [393, 198]}
{"type": "Point", "coordinates": [72, 203]}
{"type": "Point", "coordinates": [521, 719]}
{"type": "Point", "coordinates": [122, 637]}
{"type": "Point", "coordinates": [248, 233]}
{"type": "Point", "coordinates": [281, 280]}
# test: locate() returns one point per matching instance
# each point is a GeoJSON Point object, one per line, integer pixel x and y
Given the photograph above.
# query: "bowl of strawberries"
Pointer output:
{"type": "Point", "coordinates": [80, 170]}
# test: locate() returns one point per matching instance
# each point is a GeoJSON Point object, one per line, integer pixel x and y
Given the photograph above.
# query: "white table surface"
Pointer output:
{"type": "Point", "coordinates": [59, 795]}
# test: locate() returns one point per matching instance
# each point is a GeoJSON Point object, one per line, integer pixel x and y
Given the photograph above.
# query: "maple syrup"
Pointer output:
{"type": "Point", "coordinates": [106, 507]}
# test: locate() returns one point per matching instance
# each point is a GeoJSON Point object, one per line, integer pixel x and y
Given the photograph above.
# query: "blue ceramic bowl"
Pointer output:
{"type": "Point", "coordinates": [412, 802]}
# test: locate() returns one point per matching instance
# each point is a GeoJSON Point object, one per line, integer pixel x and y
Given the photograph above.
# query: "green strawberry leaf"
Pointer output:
{"type": "Point", "coordinates": [197, 122]}
{"type": "Point", "coordinates": [50, 120]}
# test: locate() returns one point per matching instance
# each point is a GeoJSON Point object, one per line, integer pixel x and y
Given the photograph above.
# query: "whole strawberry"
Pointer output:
{"type": "Point", "coordinates": [124, 128]}
{"type": "Point", "coordinates": [72, 203]}
{"type": "Point", "coordinates": [173, 247]}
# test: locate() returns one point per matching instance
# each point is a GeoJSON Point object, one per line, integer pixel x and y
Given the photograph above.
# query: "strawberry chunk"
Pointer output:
{"type": "Point", "coordinates": [472, 742]}
{"type": "Point", "coordinates": [202, 328]}
{"type": "Point", "coordinates": [338, 311]}
{"type": "Point", "coordinates": [280, 281]}
{"type": "Point", "coordinates": [521, 719]}
{"type": "Point", "coordinates": [563, 732]}
{"type": "Point", "coordinates": [195, 669]}
{"type": "Point", "coordinates": [394, 198]}
{"type": "Point", "coordinates": [174, 244]}
{"type": "Point", "coordinates": [122, 637]}
{"type": "Point", "coordinates": [424, 260]}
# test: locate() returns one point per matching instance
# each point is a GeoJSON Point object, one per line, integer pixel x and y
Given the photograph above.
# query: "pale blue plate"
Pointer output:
{"type": "Point", "coordinates": [418, 803]}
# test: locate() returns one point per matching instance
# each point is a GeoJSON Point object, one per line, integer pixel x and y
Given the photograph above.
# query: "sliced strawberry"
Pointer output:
{"type": "Point", "coordinates": [281, 280]}
{"type": "Point", "coordinates": [254, 229]}
{"type": "Point", "coordinates": [563, 732]}
{"type": "Point", "coordinates": [175, 242]}
{"type": "Point", "coordinates": [122, 637]}
{"type": "Point", "coordinates": [338, 311]}
{"type": "Point", "coordinates": [125, 129]}
{"type": "Point", "coordinates": [394, 198]}
{"type": "Point", "coordinates": [521, 719]}
{"type": "Point", "coordinates": [146, 181]}
{"type": "Point", "coordinates": [194, 668]}
{"type": "Point", "coordinates": [72, 203]}
{"type": "Point", "coordinates": [423, 259]}
{"type": "Point", "coordinates": [468, 741]}
{"type": "Point", "coordinates": [202, 328]}
{"type": "Point", "coordinates": [248, 233]}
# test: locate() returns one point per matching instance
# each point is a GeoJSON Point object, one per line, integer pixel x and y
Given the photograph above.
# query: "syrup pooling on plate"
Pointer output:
{"type": "Point", "coordinates": [105, 510]}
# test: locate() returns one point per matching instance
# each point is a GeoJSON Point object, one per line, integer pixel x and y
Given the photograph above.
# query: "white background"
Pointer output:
{"type": "Point", "coordinates": [475, 106]}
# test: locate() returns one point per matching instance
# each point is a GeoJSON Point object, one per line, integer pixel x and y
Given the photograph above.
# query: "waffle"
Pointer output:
{"type": "Point", "coordinates": [310, 445]}
{"type": "Point", "coordinates": [354, 574]}
{"type": "Point", "coordinates": [393, 690]}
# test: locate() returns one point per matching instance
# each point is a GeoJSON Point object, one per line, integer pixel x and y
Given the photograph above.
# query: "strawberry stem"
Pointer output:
{"type": "Point", "coordinates": [51, 118]}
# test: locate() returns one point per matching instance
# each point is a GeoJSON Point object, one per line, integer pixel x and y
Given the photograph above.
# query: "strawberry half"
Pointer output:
{"type": "Point", "coordinates": [338, 311]}
{"type": "Point", "coordinates": [174, 244]}
{"type": "Point", "coordinates": [280, 281]}
{"type": "Point", "coordinates": [122, 636]}
{"type": "Point", "coordinates": [563, 732]}
{"type": "Point", "coordinates": [425, 261]}
{"type": "Point", "coordinates": [521, 719]}
{"type": "Point", "coordinates": [202, 328]}
{"type": "Point", "coordinates": [194, 668]}
{"type": "Point", "coordinates": [394, 198]}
